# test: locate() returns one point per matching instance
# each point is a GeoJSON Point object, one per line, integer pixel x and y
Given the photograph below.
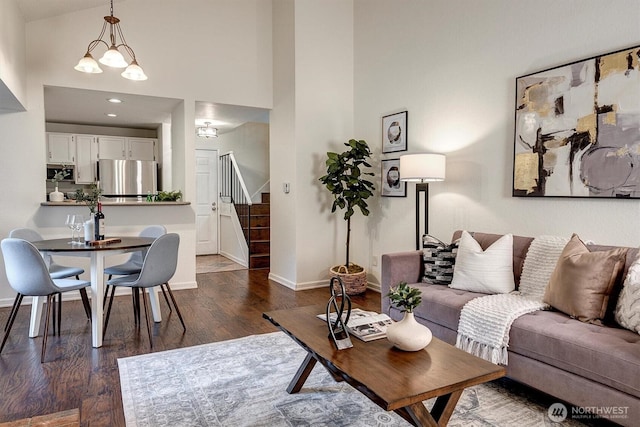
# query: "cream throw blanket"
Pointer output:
{"type": "Point", "coordinates": [485, 322]}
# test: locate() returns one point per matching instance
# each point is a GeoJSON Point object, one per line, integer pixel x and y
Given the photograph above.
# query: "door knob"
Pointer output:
{"type": "Point", "coordinates": [213, 206]}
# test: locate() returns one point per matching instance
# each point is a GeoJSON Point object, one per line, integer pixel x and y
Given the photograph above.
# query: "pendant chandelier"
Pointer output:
{"type": "Point", "coordinates": [206, 131]}
{"type": "Point", "coordinates": [112, 57]}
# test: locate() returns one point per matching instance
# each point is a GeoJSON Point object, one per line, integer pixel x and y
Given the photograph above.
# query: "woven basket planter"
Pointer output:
{"type": "Point", "coordinates": [354, 283]}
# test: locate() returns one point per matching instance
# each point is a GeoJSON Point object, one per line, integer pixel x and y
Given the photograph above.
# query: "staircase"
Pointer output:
{"type": "Point", "coordinates": [253, 217]}
{"type": "Point", "coordinates": [255, 223]}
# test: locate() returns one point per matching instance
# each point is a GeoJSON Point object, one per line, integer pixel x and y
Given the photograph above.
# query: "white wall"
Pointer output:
{"type": "Point", "coordinates": [282, 145]}
{"type": "Point", "coordinates": [313, 113]}
{"type": "Point", "coordinates": [13, 82]}
{"type": "Point", "coordinates": [453, 66]}
{"type": "Point", "coordinates": [213, 50]}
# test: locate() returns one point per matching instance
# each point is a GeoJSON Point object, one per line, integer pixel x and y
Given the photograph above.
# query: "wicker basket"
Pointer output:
{"type": "Point", "coordinates": [355, 283]}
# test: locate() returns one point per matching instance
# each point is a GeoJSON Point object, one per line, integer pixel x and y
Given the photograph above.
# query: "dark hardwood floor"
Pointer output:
{"type": "Point", "coordinates": [226, 305]}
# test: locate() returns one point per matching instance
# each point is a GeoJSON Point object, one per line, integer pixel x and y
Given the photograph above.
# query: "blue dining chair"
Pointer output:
{"type": "Point", "coordinates": [133, 266]}
{"type": "Point", "coordinates": [158, 267]}
{"type": "Point", "coordinates": [28, 275]}
{"type": "Point", "coordinates": [56, 271]}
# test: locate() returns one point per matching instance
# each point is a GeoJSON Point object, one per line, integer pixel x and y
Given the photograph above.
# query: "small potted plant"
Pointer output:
{"type": "Point", "coordinates": [407, 334]}
{"type": "Point", "coordinates": [59, 175]}
{"type": "Point", "coordinates": [91, 198]}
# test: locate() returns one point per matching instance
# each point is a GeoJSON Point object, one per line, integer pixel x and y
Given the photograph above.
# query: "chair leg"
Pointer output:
{"type": "Point", "coordinates": [53, 312]}
{"type": "Point", "coordinates": [176, 306]}
{"type": "Point", "coordinates": [59, 296]}
{"type": "Point", "coordinates": [146, 317]}
{"type": "Point", "coordinates": [165, 297]}
{"type": "Point", "coordinates": [106, 320]}
{"type": "Point", "coordinates": [85, 302]}
{"type": "Point", "coordinates": [12, 317]}
{"type": "Point", "coordinates": [135, 298]}
{"type": "Point", "coordinates": [106, 291]}
{"type": "Point", "coordinates": [13, 309]}
{"type": "Point", "coordinates": [50, 302]}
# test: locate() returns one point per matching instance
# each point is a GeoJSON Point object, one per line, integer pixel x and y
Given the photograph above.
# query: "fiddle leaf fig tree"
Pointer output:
{"type": "Point", "coordinates": [346, 179]}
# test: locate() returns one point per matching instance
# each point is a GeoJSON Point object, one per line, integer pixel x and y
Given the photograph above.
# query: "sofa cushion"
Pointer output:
{"type": "Point", "coordinates": [439, 259]}
{"type": "Point", "coordinates": [488, 271]}
{"type": "Point", "coordinates": [607, 355]}
{"type": "Point", "coordinates": [441, 304]}
{"type": "Point", "coordinates": [582, 280]}
{"type": "Point", "coordinates": [628, 309]}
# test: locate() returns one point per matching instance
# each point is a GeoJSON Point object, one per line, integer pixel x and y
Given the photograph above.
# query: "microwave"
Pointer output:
{"type": "Point", "coordinates": [52, 169]}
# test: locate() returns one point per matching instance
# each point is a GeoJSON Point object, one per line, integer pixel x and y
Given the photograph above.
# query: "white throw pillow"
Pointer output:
{"type": "Point", "coordinates": [627, 312]}
{"type": "Point", "coordinates": [489, 271]}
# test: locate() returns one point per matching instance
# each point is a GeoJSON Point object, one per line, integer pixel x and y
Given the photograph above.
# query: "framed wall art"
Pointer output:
{"type": "Point", "coordinates": [394, 132]}
{"type": "Point", "coordinates": [391, 184]}
{"type": "Point", "coordinates": [577, 129]}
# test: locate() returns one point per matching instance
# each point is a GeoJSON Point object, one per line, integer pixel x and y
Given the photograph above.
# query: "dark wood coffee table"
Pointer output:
{"type": "Point", "coordinates": [393, 379]}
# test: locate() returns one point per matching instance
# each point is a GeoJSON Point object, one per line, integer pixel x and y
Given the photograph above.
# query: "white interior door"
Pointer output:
{"type": "Point", "coordinates": [206, 202]}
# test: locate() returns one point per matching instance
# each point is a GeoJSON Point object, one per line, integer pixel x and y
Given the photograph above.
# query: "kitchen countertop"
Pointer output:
{"type": "Point", "coordinates": [68, 203]}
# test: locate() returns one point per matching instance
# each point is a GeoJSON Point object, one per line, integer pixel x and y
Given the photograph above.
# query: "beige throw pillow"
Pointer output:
{"type": "Point", "coordinates": [582, 280]}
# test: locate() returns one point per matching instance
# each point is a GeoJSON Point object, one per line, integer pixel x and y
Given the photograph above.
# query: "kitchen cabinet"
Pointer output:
{"type": "Point", "coordinates": [86, 158]}
{"type": "Point", "coordinates": [112, 147]}
{"type": "Point", "coordinates": [121, 148]}
{"type": "Point", "coordinates": [84, 151]}
{"type": "Point", "coordinates": [141, 148]}
{"type": "Point", "coordinates": [60, 148]}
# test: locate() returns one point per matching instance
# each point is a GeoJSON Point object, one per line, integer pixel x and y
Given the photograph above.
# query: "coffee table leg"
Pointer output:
{"type": "Point", "coordinates": [444, 406]}
{"type": "Point", "coordinates": [417, 413]}
{"type": "Point", "coordinates": [301, 376]}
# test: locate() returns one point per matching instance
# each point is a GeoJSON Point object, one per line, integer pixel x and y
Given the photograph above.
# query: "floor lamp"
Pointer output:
{"type": "Point", "coordinates": [422, 169]}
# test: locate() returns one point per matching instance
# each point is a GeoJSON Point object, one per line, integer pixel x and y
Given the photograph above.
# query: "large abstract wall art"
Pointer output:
{"type": "Point", "coordinates": [577, 129]}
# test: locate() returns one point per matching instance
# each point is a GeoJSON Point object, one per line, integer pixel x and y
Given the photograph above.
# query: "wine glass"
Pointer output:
{"type": "Point", "coordinates": [70, 222]}
{"type": "Point", "coordinates": [78, 225]}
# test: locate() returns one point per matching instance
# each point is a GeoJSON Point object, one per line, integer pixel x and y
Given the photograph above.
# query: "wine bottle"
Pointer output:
{"type": "Point", "coordinates": [98, 223]}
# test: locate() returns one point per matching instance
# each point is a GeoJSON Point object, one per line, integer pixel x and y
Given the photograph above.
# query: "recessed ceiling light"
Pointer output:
{"type": "Point", "coordinates": [114, 100]}
{"type": "Point", "coordinates": [112, 115]}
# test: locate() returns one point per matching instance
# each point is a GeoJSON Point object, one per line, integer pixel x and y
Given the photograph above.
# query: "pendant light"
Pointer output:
{"type": "Point", "coordinates": [112, 57]}
{"type": "Point", "coordinates": [206, 131]}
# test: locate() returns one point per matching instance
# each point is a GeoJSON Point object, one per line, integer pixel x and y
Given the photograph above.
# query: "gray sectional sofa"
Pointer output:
{"type": "Point", "coordinates": [586, 365]}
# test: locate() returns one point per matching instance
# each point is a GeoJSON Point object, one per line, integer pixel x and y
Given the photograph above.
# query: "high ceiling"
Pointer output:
{"type": "Point", "coordinates": [70, 105]}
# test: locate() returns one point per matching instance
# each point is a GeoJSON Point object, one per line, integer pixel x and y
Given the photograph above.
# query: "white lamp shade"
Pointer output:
{"type": "Point", "coordinates": [422, 167]}
{"type": "Point", "coordinates": [113, 58]}
{"type": "Point", "coordinates": [134, 72]}
{"type": "Point", "coordinates": [88, 65]}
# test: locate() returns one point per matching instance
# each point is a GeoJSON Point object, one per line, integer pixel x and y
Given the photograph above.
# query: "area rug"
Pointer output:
{"type": "Point", "coordinates": [243, 382]}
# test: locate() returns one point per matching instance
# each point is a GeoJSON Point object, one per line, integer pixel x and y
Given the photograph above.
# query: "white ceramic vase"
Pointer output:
{"type": "Point", "coordinates": [56, 196]}
{"type": "Point", "coordinates": [408, 334]}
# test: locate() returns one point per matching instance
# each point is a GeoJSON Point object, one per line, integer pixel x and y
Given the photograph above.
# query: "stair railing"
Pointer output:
{"type": "Point", "coordinates": [233, 190]}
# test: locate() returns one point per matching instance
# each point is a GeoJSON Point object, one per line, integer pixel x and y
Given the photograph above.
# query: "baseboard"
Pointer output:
{"type": "Point", "coordinates": [303, 286]}
{"type": "Point", "coordinates": [312, 285]}
{"type": "Point", "coordinates": [281, 280]}
{"type": "Point", "coordinates": [234, 258]}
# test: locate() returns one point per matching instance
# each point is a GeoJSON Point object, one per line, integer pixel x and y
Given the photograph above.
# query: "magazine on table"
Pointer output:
{"type": "Point", "coordinates": [365, 325]}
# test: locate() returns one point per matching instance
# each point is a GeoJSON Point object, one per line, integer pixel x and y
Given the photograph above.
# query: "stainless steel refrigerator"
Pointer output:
{"type": "Point", "coordinates": [128, 177]}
